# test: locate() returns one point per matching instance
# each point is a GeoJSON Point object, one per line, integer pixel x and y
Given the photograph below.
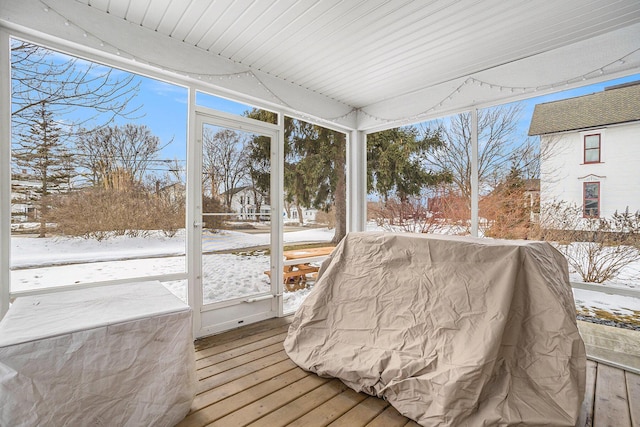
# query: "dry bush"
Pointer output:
{"type": "Point", "coordinates": [101, 213]}
{"type": "Point", "coordinates": [409, 216]}
{"type": "Point", "coordinates": [596, 248]}
{"type": "Point", "coordinates": [507, 215]}
{"type": "Point", "coordinates": [451, 209]}
{"type": "Point", "coordinates": [213, 205]}
{"type": "Point", "coordinates": [327, 218]}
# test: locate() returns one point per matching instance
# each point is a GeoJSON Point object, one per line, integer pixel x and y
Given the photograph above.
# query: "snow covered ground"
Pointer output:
{"type": "Point", "coordinates": [58, 261]}
{"type": "Point", "coordinates": [43, 262]}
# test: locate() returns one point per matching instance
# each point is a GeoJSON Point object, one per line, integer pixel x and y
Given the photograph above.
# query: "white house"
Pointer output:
{"type": "Point", "coordinates": [24, 190]}
{"type": "Point", "coordinates": [590, 148]}
{"type": "Point", "coordinates": [243, 202]}
{"type": "Point", "coordinates": [247, 202]}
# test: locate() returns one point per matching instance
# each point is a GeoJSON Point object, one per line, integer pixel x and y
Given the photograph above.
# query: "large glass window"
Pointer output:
{"type": "Point", "coordinates": [97, 172]}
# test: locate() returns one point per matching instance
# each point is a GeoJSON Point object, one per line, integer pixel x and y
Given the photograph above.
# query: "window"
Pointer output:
{"type": "Point", "coordinates": [591, 199]}
{"type": "Point", "coordinates": [592, 148]}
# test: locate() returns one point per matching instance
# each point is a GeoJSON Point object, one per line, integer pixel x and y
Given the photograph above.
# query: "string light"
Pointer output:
{"type": "Point", "coordinates": [512, 89]}
{"type": "Point", "coordinates": [251, 75]}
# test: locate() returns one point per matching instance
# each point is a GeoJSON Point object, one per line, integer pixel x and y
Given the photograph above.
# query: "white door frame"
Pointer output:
{"type": "Point", "coordinates": [212, 318]}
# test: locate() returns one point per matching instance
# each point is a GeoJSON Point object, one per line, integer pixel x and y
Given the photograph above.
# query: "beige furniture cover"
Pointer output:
{"type": "Point", "coordinates": [119, 355]}
{"type": "Point", "coordinates": [452, 331]}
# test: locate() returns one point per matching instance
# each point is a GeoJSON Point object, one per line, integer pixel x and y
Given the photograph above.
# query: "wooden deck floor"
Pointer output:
{"type": "Point", "coordinates": [245, 378]}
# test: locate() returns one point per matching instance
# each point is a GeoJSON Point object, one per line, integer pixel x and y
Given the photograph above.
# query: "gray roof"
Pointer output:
{"type": "Point", "coordinates": [618, 104]}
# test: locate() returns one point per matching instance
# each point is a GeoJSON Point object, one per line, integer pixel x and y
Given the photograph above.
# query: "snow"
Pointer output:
{"type": "Point", "coordinates": [238, 272]}
{"type": "Point", "coordinates": [57, 261]}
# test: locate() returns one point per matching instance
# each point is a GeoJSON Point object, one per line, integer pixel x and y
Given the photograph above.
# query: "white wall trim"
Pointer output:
{"type": "Point", "coordinates": [5, 172]}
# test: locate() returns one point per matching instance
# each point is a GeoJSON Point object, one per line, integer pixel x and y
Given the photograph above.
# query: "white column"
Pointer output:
{"type": "Point", "coordinates": [356, 181]}
{"type": "Point", "coordinates": [5, 171]}
{"type": "Point", "coordinates": [193, 215]}
{"type": "Point", "coordinates": [474, 173]}
{"type": "Point", "coordinates": [277, 221]}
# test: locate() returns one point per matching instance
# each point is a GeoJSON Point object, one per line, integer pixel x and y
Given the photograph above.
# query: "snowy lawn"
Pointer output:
{"type": "Point", "coordinates": [43, 262]}
{"type": "Point", "coordinates": [38, 263]}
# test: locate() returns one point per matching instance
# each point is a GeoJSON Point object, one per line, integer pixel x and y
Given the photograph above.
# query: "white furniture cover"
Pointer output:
{"type": "Point", "coordinates": [109, 356]}
{"type": "Point", "coordinates": [451, 331]}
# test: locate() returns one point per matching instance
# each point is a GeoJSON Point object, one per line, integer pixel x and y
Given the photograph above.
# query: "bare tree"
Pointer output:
{"type": "Point", "coordinates": [41, 153]}
{"type": "Point", "coordinates": [76, 91]}
{"type": "Point", "coordinates": [496, 153]}
{"type": "Point", "coordinates": [598, 249]}
{"type": "Point", "coordinates": [225, 161]}
{"type": "Point", "coordinates": [117, 153]}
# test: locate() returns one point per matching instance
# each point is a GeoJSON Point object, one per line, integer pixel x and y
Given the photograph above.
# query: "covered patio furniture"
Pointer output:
{"type": "Point", "coordinates": [454, 331]}
{"type": "Point", "coordinates": [113, 355]}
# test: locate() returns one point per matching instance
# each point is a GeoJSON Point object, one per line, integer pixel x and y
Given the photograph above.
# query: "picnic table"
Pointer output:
{"type": "Point", "coordinates": [297, 265]}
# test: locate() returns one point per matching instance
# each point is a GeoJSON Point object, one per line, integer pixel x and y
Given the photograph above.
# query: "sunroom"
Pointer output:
{"type": "Point", "coordinates": [335, 75]}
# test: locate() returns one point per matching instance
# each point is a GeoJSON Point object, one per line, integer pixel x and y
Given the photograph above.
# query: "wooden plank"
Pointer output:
{"type": "Point", "coordinates": [611, 408]}
{"type": "Point", "coordinates": [361, 414]}
{"type": "Point", "coordinates": [222, 348]}
{"type": "Point", "coordinates": [265, 405]}
{"type": "Point", "coordinates": [297, 408]}
{"type": "Point", "coordinates": [238, 335]}
{"type": "Point", "coordinates": [633, 392]}
{"type": "Point", "coordinates": [235, 352]}
{"type": "Point", "coordinates": [242, 332]}
{"type": "Point", "coordinates": [214, 395]}
{"type": "Point", "coordinates": [330, 410]}
{"type": "Point", "coordinates": [585, 419]}
{"type": "Point", "coordinates": [239, 361]}
{"type": "Point", "coordinates": [390, 417]}
{"type": "Point", "coordinates": [240, 371]}
{"type": "Point", "coordinates": [242, 399]}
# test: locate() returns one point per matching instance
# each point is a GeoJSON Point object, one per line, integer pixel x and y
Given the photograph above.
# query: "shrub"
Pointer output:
{"type": "Point", "coordinates": [100, 213]}
{"type": "Point", "coordinates": [596, 248]}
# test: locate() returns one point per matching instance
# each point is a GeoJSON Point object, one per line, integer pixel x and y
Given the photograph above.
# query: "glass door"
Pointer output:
{"type": "Point", "coordinates": [233, 225]}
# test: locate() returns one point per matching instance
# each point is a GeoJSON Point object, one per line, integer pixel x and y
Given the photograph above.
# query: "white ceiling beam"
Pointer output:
{"type": "Point", "coordinates": [608, 56]}
{"type": "Point", "coordinates": [124, 44]}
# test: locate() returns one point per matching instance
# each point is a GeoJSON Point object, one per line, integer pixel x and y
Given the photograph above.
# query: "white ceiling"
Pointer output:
{"type": "Point", "coordinates": [359, 63]}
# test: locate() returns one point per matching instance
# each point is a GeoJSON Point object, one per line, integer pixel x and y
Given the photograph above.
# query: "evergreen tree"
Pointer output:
{"type": "Point", "coordinates": [314, 170]}
{"type": "Point", "coordinates": [507, 208]}
{"type": "Point", "coordinates": [42, 154]}
{"type": "Point", "coordinates": [395, 163]}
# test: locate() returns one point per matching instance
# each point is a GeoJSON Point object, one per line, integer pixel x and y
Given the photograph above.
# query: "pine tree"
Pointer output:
{"type": "Point", "coordinates": [41, 153]}
{"type": "Point", "coordinates": [395, 163]}
{"type": "Point", "coordinates": [314, 167]}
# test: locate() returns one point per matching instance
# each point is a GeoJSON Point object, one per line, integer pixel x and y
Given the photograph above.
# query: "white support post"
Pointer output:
{"type": "Point", "coordinates": [356, 181]}
{"type": "Point", "coordinates": [277, 227]}
{"type": "Point", "coordinates": [474, 173]}
{"type": "Point", "coordinates": [5, 171]}
{"type": "Point", "coordinates": [194, 207]}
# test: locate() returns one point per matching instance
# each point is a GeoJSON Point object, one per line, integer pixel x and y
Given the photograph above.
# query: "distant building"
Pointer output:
{"type": "Point", "coordinates": [25, 196]}
{"type": "Point", "coordinates": [590, 148]}
{"type": "Point", "coordinates": [24, 193]}
{"type": "Point", "coordinates": [250, 204]}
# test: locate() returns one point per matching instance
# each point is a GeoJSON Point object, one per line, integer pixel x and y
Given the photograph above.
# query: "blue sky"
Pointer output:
{"type": "Point", "coordinates": [164, 108]}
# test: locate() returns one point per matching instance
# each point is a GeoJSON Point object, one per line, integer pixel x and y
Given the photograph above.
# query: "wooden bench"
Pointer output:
{"type": "Point", "coordinates": [295, 274]}
{"type": "Point", "coordinates": [296, 278]}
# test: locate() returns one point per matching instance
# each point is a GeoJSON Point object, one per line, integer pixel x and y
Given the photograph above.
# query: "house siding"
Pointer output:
{"type": "Point", "coordinates": [563, 171]}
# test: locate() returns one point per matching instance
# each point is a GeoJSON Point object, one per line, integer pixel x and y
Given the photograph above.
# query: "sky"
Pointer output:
{"type": "Point", "coordinates": [164, 109]}
{"type": "Point", "coordinates": [166, 106]}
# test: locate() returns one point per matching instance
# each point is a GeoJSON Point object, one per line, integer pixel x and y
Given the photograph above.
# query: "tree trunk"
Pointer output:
{"type": "Point", "coordinates": [300, 218]}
